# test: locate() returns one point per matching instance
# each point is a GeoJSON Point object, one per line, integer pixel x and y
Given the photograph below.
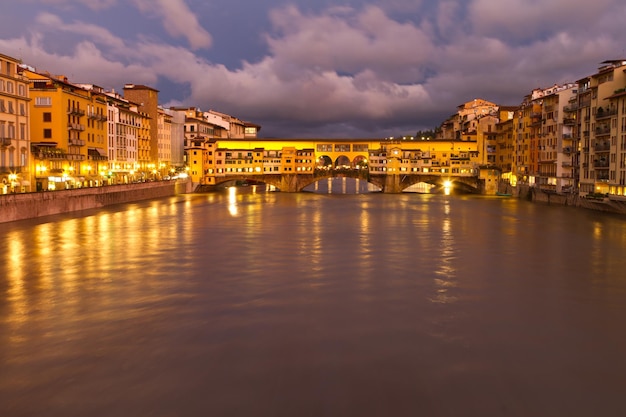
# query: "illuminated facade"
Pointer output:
{"type": "Point", "coordinates": [15, 169]}
{"type": "Point", "coordinates": [68, 124]}
{"type": "Point", "coordinates": [602, 131]}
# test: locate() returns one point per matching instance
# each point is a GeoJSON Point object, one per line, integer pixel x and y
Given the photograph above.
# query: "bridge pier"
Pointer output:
{"type": "Point", "coordinates": [392, 184]}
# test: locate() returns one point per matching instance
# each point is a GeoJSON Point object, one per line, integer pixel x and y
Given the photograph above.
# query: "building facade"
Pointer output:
{"type": "Point", "coordinates": [67, 121]}
{"type": "Point", "coordinates": [15, 166]}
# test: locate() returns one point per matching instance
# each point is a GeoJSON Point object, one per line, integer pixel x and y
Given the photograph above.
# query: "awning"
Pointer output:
{"type": "Point", "coordinates": [97, 153]}
{"type": "Point", "coordinates": [44, 143]}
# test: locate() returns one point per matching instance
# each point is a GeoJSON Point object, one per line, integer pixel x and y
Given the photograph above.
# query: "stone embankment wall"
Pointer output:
{"type": "Point", "coordinates": [606, 204]}
{"type": "Point", "coordinates": [32, 205]}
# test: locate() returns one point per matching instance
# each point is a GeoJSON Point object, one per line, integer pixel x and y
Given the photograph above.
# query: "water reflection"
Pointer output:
{"type": "Point", "coordinates": [342, 185]}
{"type": "Point", "coordinates": [446, 272]}
{"type": "Point", "coordinates": [273, 303]}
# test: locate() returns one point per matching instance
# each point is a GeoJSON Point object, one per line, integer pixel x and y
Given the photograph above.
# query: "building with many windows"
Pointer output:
{"type": "Point", "coordinates": [15, 170]}
{"type": "Point", "coordinates": [602, 130]}
{"type": "Point", "coordinates": [67, 121]}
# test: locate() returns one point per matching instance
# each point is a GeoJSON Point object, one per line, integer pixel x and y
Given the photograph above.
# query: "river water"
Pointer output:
{"type": "Point", "coordinates": [251, 303]}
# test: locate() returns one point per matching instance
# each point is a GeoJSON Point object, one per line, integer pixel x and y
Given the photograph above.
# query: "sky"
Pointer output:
{"type": "Point", "coordinates": [326, 69]}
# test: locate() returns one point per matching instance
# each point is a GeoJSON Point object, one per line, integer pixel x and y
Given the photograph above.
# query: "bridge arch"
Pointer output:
{"type": "Point", "coordinates": [324, 161]}
{"type": "Point", "coordinates": [359, 161]}
{"type": "Point", "coordinates": [343, 161]}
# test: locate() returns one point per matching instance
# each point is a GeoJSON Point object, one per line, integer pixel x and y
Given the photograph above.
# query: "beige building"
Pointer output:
{"type": "Point", "coordinates": [15, 167]}
{"type": "Point", "coordinates": [164, 143]}
{"type": "Point", "coordinates": [602, 131]}
{"type": "Point", "coordinates": [554, 147]}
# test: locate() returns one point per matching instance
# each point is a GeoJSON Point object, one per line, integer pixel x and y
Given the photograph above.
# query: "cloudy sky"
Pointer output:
{"type": "Point", "coordinates": [323, 68]}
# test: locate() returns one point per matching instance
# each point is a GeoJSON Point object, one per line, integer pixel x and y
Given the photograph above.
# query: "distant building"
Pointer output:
{"type": "Point", "coordinates": [147, 99]}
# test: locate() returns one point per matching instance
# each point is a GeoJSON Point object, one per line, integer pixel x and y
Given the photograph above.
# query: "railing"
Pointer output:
{"type": "Point", "coordinates": [75, 157]}
{"type": "Point", "coordinates": [600, 164]}
{"type": "Point", "coordinates": [11, 170]}
{"type": "Point", "coordinates": [75, 126]}
{"type": "Point", "coordinates": [5, 141]}
{"type": "Point", "coordinates": [76, 142]}
{"type": "Point", "coordinates": [50, 155]}
{"type": "Point", "coordinates": [603, 114]}
{"type": "Point", "coordinates": [75, 111]}
{"type": "Point", "coordinates": [570, 108]}
{"type": "Point", "coordinates": [603, 131]}
{"type": "Point", "coordinates": [602, 147]}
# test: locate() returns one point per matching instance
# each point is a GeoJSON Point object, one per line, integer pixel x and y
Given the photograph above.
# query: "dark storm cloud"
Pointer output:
{"type": "Point", "coordinates": [356, 68]}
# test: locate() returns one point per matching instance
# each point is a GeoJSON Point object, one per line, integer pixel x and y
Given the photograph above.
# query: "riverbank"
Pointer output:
{"type": "Point", "coordinates": [15, 207]}
{"type": "Point", "coordinates": [604, 204]}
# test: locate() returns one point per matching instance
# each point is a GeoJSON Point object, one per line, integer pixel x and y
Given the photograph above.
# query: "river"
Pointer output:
{"type": "Point", "coordinates": [253, 303]}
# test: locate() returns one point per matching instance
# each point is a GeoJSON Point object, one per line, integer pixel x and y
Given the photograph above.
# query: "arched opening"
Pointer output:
{"type": "Point", "coordinates": [324, 162]}
{"type": "Point", "coordinates": [360, 163]}
{"type": "Point", "coordinates": [343, 162]}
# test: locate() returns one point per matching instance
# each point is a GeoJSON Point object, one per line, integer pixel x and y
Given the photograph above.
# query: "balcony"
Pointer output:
{"type": "Point", "coordinates": [75, 111]}
{"type": "Point", "coordinates": [604, 114]}
{"type": "Point", "coordinates": [49, 154]}
{"type": "Point", "coordinates": [75, 126]}
{"type": "Point", "coordinates": [76, 142]}
{"type": "Point", "coordinates": [570, 108]}
{"type": "Point", "coordinates": [603, 131]}
{"type": "Point", "coordinates": [5, 141]}
{"type": "Point", "coordinates": [569, 121]}
{"type": "Point", "coordinates": [600, 163]}
{"type": "Point", "coordinates": [75, 157]}
{"type": "Point", "coordinates": [602, 147]}
{"type": "Point", "coordinates": [12, 169]}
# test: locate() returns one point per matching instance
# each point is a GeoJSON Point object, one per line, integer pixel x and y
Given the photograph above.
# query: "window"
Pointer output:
{"type": "Point", "coordinates": [47, 133]}
{"type": "Point", "coordinates": [43, 101]}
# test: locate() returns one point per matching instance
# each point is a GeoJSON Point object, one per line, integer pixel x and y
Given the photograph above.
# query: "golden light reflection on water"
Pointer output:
{"type": "Point", "coordinates": [446, 271]}
{"type": "Point", "coordinates": [14, 260]}
{"type": "Point", "coordinates": [64, 269]}
{"type": "Point", "coordinates": [232, 201]}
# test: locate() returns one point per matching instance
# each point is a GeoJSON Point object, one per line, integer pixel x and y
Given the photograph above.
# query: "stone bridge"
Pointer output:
{"type": "Point", "coordinates": [389, 183]}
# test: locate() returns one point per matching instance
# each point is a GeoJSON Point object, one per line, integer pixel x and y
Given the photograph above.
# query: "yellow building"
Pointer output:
{"type": "Point", "coordinates": [66, 121]}
{"type": "Point", "coordinates": [15, 171]}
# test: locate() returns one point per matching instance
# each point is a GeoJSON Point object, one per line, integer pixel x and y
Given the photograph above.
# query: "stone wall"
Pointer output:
{"type": "Point", "coordinates": [32, 205]}
{"type": "Point", "coordinates": [606, 204]}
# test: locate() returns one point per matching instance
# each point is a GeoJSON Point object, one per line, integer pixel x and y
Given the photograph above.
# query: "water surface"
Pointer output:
{"type": "Point", "coordinates": [272, 304]}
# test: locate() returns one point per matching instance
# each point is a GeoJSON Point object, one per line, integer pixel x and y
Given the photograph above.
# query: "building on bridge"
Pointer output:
{"type": "Point", "coordinates": [222, 159]}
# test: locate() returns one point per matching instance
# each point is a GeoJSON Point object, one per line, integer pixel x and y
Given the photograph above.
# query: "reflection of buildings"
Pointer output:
{"type": "Point", "coordinates": [15, 167]}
